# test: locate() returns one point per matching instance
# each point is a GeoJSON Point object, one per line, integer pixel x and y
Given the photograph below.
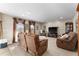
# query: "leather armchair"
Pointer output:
{"type": "Point", "coordinates": [69, 43]}
{"type": "Point", "coordinates": [35, 46]}
{"type": "Point", "coordinates": [22, 40]}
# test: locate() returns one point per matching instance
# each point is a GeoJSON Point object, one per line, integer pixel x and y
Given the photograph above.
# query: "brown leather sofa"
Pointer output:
{"type": "Point", "coordinates": [35, 46]}
{"type": "Point", "coordinates": [69, 43]}
{"type": "Point", "coordinates": [22, 40]}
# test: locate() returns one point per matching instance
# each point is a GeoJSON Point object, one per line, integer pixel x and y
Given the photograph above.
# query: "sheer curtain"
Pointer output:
{"type": "Point", "coordinates": [1, 31]}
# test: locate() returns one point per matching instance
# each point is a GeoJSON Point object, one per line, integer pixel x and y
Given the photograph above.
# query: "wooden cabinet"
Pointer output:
{"type": "Point", "coordinates": [69, 26]}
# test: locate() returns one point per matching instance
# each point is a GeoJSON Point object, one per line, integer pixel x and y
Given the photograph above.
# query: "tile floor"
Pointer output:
{"type": "Point", "coordinates": [53, 50]}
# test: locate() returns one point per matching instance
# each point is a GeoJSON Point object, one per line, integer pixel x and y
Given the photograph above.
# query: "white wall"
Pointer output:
{"type": "Point", "coordinates": [75, 23]}
{"type": "Point", "coordinates": [40, 27]}
{"type": "Point", "coordinates": [0, 16]}
{"type": "Point", "coordinates": [7, 28]}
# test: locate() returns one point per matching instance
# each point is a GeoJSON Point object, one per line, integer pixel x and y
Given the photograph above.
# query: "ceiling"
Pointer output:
{"type": "Point", "coordinates": [42, 12]}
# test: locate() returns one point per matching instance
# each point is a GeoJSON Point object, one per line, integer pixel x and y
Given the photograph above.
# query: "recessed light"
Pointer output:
{"type": "Point", "coordinates": [61, 17]}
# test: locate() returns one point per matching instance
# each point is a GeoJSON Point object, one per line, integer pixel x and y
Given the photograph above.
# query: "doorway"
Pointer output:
{"type": "Point", "coordinates": [18, 27]}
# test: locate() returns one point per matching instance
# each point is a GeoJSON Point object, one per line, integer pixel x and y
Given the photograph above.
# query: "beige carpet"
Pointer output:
{"type": "Point", "coordinates": [53, 50]}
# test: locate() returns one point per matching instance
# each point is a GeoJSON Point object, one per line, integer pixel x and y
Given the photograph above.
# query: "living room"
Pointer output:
{"type": "Point", "coordinates": [42, 20]}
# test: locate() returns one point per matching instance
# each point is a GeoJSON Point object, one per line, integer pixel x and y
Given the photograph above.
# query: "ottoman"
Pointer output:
{"type": "Point", "coordinates": [3, 43]}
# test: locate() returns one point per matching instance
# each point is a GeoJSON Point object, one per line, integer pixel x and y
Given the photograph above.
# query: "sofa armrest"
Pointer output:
{"type": "Point", "coordinates": [61, 39]}
{"type": "Point", "coordinates": [44, 42]}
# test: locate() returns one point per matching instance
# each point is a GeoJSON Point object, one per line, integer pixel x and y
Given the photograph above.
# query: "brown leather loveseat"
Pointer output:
{"type": "Point", "coordinates": [69, 43]}
{"type": "Point", "coordinates": [22, 40]}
